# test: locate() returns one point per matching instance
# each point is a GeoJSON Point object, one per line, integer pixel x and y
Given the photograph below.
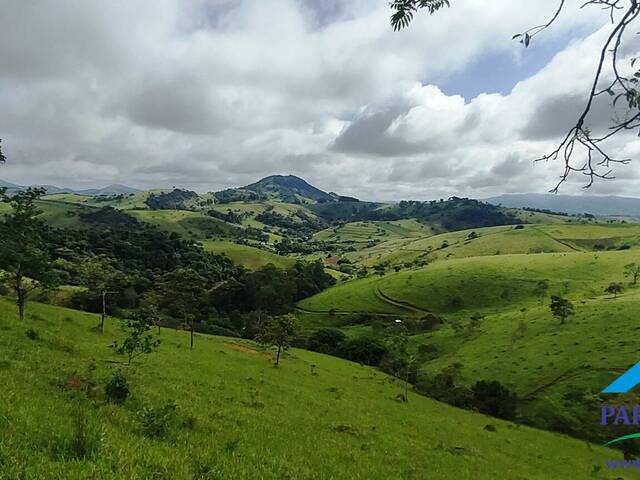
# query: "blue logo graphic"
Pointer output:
{"type": "Point", "coordinates": [626, 381]}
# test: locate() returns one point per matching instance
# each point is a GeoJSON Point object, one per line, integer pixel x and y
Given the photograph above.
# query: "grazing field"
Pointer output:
{"type": "Point", "coordinates": [589, 351]}
{"type": "Point", "coordinates": [250, 257]}
{"type": "Point", "coordinates": [188, 224]}
{"type": "Point", "coordinates": [69, 198]}
{"type": "Point", "coordinates": [362, 232]}
{"type": "Point", "coordinates": [594, 237]}
{"type": "Point", "coordinates": [503, 240]}
{"type": "Point", "coordinates": [236, 416]}
{"type": "Point", "coordinates": [61, 214]}
{"type": "Point", "coordinates": [477, 283]}
{"type": "Point", "coordinates": [251, 209]}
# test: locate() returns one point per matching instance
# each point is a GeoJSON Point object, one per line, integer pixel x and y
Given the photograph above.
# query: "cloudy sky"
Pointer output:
{"type": "Point", "coordinates": [207, 94]}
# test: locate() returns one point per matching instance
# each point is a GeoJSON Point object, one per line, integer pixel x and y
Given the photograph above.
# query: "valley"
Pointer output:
{"type": "Point", "coordinates": [467, 286]}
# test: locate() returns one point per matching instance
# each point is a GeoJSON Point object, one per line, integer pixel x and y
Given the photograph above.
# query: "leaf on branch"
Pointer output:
{"type": "Point", "coordinates": [404, 10]}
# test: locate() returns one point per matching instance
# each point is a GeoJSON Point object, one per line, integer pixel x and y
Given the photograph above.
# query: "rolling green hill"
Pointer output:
{"type": "Point", "coordinates": [488, 283]}
{"type": "Point", "coordinates": [185, 223]}
{"type": "Point", "coordinates": [238, 417]}
{"type": "Point", "coordinates": [501, 240]}
{"type": "Point", "coordinates": [247, 256]}
{"type": "Point", "coordinates": [362, 232]}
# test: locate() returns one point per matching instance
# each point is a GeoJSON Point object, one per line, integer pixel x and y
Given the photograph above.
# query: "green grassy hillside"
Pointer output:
{"type": "Point", "coordinates": [362, 232]}
{"type": "Point", "coordinates": [185, 223]}
{"type": "Point", "coordinates": [589, 351]}
{"type": "Point", "coordinates": [238, 417]}
{"type": "Point", "coordinates": [544, 238]}
{"type": "Point", "coordinates": [250, 257]}
{"type": "Point", "coordinates": [489, 283]}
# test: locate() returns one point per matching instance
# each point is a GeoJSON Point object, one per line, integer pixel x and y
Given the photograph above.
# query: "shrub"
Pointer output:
{"type": "Point", "coordinates": [443, 387]}
{"type": "Point", "coordinates": [87, 436]}
{"type": "Point", "coordinates": [157, 422]}
{"type": "Point", "coordinates": [32, 334]}
{"type": "Point", "coordinates": [367, 350]}
{"type": "Point", "coordinates": [83, 438]}
{"type": "Point", "coordinates": [428, 352]}
{"type": "Point", "coordinates": [493, 398]}
{"type": "Point", "coordinates": [326, 340]}
{"type": "Point", "coordinates": [117, 389]}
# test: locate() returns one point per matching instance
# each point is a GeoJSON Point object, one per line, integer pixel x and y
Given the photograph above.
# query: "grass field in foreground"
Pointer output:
{"type": "Point", "coordinates": [239, 417]}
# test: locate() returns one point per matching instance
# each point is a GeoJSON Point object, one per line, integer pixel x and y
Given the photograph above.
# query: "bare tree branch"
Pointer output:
{"type": "Point", "coordinates": [579, 140]}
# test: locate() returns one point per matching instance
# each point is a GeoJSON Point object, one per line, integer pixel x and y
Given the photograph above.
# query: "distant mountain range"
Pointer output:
{"type": "Point", "coordinates": [610, 206]}
{"type": "Point", "coordinates": [115, 189]}
{"type": "Point", "coordinates": [292, 189]}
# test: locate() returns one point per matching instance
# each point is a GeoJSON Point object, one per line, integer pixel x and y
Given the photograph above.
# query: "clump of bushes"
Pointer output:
{"type": "Point", "coordinates": [32, 334]}
{"type": "Point", "coordinates": [157, 422]}
{"type": "Point", "coordinates": [87, 435]}
{"type": "Point", "coordinates": [486, 396]}
{"type": "Point", "coordinates": [493, 398]}
{"type": "Point", "coordinates": [366, 350]}
{"type": "Point", "coordinates": [84, 436]}
{"type": "Point", "coordinates": [117, 388]}
{"type": "Point", "coordinates": [326, 340]}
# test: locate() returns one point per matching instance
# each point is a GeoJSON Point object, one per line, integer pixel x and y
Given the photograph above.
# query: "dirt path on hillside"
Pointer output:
{"type": "Point", "coordinates": [398, 303]}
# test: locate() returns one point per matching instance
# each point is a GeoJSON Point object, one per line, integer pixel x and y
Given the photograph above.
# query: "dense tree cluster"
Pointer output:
{"type": "Point", "coordinates": [237, 195]}
{"type": "Point", "coordinates": [270, 289]}
{"type": "Point", "coordinates": [177, 199]}
{"type": "Point", "coordinates": [137, 269]}
{"type": "Point", "coordinates": [299, 224]}
{"type": "Point", "coordinates": [228, 216]}
{"type": "Point", "coordinates": [452, 214]}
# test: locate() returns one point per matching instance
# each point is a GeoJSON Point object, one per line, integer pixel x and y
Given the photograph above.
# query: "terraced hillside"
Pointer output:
{"type": "Point", "coordinates": [238, 417]}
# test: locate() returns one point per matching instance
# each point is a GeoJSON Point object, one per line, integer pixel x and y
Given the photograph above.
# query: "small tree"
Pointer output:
{"type": "Point", "coordinates": [278, 332]}
{"type": "Point", "coordinates": [138, 341]}
{"type": "Point", "coordinates": [380, 268]}
{"type": "Point", "coordinates": [520, 331]}
{"type": "Point", "coordinates": [404, 362]}
{"type": "Point", "coordinates": [101, 278]}
{"type": "Point", "coordinates": [615, 288]}
{"type": "Point", "coordinates": [493, 398]}
{"type": "Point", "coordinates": [183, 295]}
{"type": "Point", "coordinates": [150, 308]}
{"type": "Point", "coordinates": [632, 271]}
{"type": "Point", "coordinates": [23, 257]}
{"type": "Point", "coordinates": [541, 289]}
{"type": "Point", "coordinates": [561, 308]}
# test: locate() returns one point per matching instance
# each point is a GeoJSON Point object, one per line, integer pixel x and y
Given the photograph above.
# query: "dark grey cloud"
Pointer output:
{"type": "Point", "coordinates": [554, 116]}
{"type": "Point", "coordinates": [368, 135]}
{"type": "Point", "coordinates": [179, 104]}
{"type": "Point", "coordinates": [325, 12]}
